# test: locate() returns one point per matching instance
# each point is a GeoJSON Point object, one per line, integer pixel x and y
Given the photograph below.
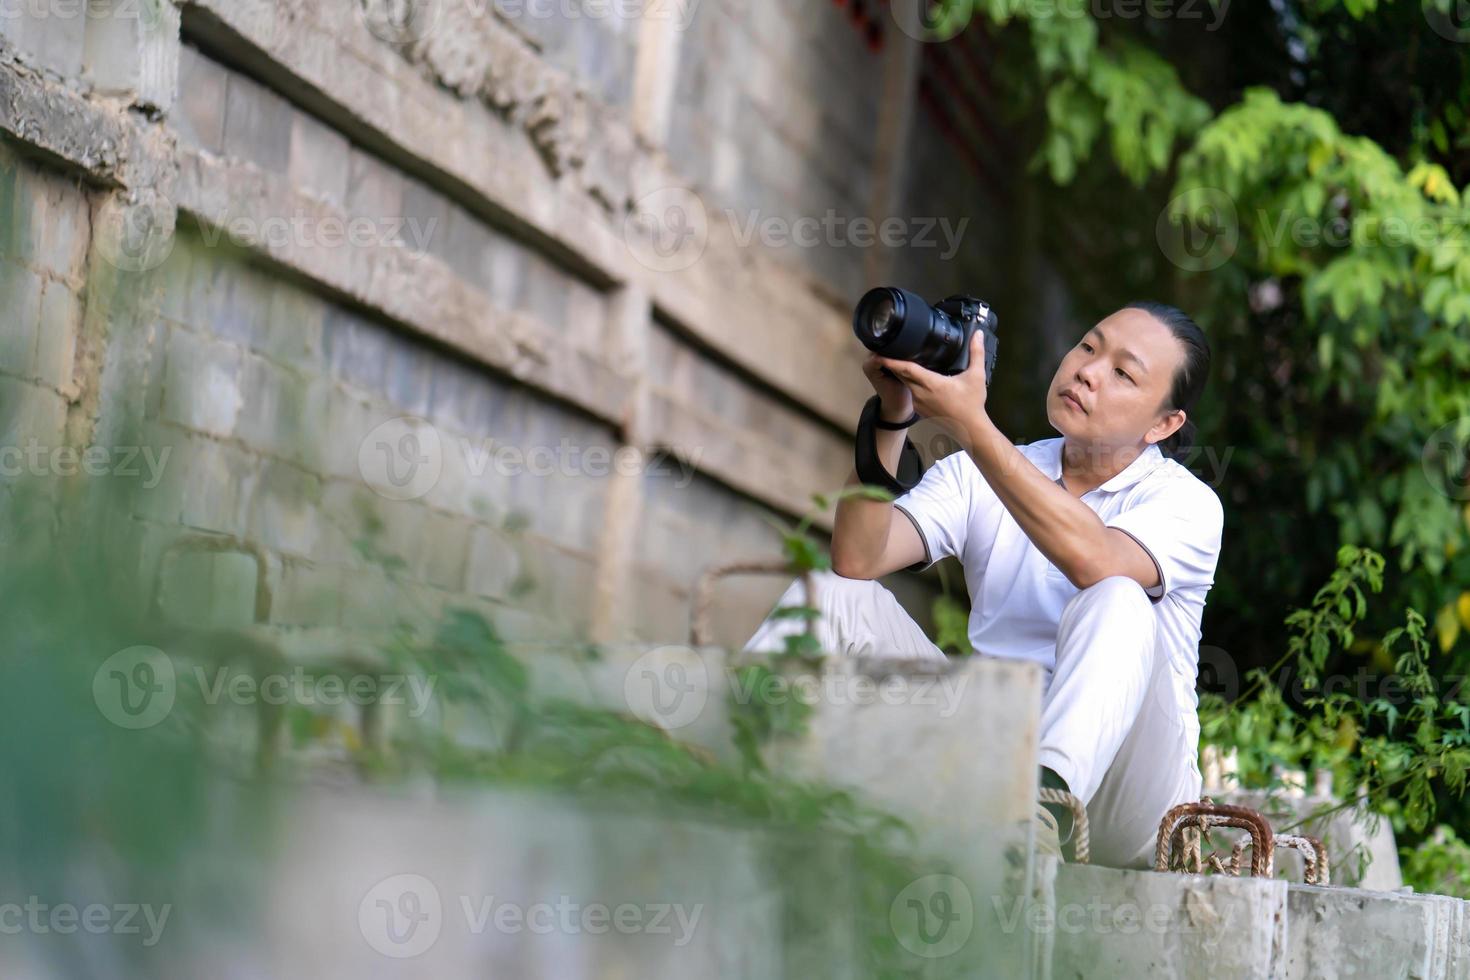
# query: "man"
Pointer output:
{"type": "Point", "coordinates": [1090, 554]}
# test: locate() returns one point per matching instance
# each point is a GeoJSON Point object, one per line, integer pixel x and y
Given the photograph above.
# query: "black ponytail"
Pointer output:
{"type": "Point", "coordinates": [1189, 380]}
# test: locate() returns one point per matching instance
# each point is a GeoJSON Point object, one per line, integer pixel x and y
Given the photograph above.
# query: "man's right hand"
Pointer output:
{"type": "Point", "coordinates": [898, 401]}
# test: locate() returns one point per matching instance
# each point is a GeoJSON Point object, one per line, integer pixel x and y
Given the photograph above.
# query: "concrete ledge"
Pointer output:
{"type": "Point", "coordinates": [1351, 932]}
{"type": "Point", "coordinates": [1131, 924]}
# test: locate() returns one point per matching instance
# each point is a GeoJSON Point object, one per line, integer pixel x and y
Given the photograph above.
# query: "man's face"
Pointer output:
{"type": "Point", "coordinates": [1119, 374]}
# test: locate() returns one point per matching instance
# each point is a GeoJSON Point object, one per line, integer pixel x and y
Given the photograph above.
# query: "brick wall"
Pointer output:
{"type": "Point", "coordinates": [497, 306]}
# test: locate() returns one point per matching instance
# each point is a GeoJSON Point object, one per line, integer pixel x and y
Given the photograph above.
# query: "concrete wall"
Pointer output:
{"type": "Point", "coordinates": [273, 238]}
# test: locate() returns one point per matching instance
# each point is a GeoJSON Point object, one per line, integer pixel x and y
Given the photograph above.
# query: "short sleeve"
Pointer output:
{"type": "Point", "coordinates": [1179, 522]}
{"type": "Point", "coordinates": [939, 507]}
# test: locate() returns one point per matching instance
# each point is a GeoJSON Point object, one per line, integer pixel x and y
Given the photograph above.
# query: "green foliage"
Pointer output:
{"type": "Point", "coordinates": [1402, 748]}
{"type": "Point", "coordinates": [1092, 85]}
{"type": "Point", "coordinates": [1440, 865]}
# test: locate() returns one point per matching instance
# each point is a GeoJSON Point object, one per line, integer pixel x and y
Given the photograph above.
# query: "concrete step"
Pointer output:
{"type": "Point", "coordinates": [1104, 923]}
{"type": "Point", "coordinates": [1353, 932]}
{"type": "Point", "coordinates": [1110, 923]}
{"type": "Point", "coordinates": [949, 747]}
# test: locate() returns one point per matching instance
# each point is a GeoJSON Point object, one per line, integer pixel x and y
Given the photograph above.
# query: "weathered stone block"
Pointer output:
{"type": "Point", "coordinates": [50, 35]}
{"type": "Point", "coordinates": [201, 387]}
{"type": "Point", "coordinates": [283, 513]}
{"type": "Point", "coordinates": [1110, 923]}
{"type": "Point", "coordinates": [1351, 932]}
{"type": "Point", "coordinates": [257, 125]}
{"type": "Point", "coordinates": [56, 341]}
{"type": "Point", "coordinates": [209, 589]}
{"type": "Point", "coordinates": [199, 115]}
{"type": "Point", "coordinates": [494, 563]}
{"type": "Point", "coordinates": [373, 188]}
{"type": "Point", "coordinates": [21, 290]}
{"type": "Point", "coordinates": [319, 158]}
{"type": "Point", "coordinates": [132, 50]}
{"type": "Point", "coordinates": [309, 594]}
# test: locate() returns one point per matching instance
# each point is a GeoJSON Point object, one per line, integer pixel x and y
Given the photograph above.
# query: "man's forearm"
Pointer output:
{"type": "Point", "coordinates": [1062, 527]}
{"type": "Point", "coordinates": [860, 528]}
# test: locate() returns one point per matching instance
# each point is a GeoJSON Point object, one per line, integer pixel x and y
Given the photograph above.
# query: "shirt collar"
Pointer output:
{"type": "Point", "coordinates": [1051, 464]}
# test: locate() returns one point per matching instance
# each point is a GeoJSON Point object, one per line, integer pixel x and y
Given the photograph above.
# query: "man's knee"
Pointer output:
{"type": "Point", "coordinates": [1117, 599]}
{"type": "Point", "coordinates": [1116, 591]}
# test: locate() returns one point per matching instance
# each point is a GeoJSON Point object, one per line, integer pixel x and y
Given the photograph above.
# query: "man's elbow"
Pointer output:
{"type": "Point", "coordinates": [844, 567]}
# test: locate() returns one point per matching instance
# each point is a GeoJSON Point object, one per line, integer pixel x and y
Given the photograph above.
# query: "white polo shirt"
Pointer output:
{"type": "Point", "coordinates": [1017, 595]}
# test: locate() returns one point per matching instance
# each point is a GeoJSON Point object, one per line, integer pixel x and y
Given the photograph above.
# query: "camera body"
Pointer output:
{"type": "Point", "coordinates": [896, 323]}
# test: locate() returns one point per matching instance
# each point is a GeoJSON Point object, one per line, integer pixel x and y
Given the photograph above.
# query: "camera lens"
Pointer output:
{"type": "Point", "coordinates": [881, 316]}
{"type": "Point", "coordinates": [883, 319]}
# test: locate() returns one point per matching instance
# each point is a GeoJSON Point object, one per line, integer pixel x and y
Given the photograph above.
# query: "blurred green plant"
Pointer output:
{"type": "Point", "coordinates": [1440, 865]}
{"type": "Point", "coordinates": [1391, 751]}
{"type": "Point", "coordinates": [1336, 293]}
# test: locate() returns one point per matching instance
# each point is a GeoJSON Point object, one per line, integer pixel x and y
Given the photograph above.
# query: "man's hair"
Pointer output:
{"type": "Point", "coordinates": [1189, 380]}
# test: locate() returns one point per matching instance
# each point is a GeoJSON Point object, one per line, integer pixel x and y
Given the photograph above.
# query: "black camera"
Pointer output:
{"type": "Point", "coordinates": [899, 324]}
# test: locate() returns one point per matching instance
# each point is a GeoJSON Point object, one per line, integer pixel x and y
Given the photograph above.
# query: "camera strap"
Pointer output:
{"type": "Point", "coordinates": [869, 468]}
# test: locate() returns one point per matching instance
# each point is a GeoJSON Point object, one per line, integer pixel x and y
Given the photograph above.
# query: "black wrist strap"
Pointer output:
{"type": "Point", "coordinates": [893, 426]}
{"type": "Point", "coordinates": [870, 469]}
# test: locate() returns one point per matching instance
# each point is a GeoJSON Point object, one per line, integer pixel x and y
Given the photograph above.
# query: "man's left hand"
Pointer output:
{"type": "Point", "coordinates": [954, 402]}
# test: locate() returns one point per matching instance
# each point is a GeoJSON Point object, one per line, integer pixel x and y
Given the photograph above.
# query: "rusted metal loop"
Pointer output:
{"type": "Point", "coordinates": [1205, 814]}
{"type": "Point", "coordinates": [699, 629]}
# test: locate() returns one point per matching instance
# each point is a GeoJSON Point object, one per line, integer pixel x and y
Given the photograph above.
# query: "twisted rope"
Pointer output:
{"type": "Point", "coordinates": [1082, 846]}
{"type": "Point", "coordinates": [1315, 870]}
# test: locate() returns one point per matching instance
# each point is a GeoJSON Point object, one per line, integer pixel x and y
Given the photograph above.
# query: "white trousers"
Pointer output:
{"type": "Point", "coordinates": [1118, 721]}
